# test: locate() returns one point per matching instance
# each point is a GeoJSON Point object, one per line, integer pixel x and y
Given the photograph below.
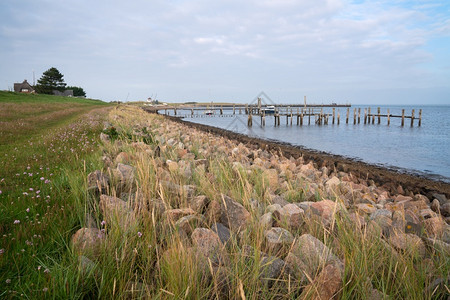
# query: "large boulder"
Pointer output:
{"type": "Point", "coordinates": [97, 181]}
{"type": "Point", "coordinates": [278, 238]}
{"type": "Point", "coordinates": [311, 255]}
{"type": "Point", "coordinates": [290, 214]}
{"type": "Point", "coordinates": [326, 285]}
{"type": "Point", "coordinates": [87, 241]}
{"type": "Point", "coordinates": [208, 244]}
{"type": "Point", "coordinates": [117, 212]}
{"type": "Point", "coordinates": [233, 214]}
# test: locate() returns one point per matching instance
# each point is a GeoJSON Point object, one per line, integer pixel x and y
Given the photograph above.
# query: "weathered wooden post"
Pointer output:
{"type": "Point", "coordinates": [246, 108]}
{"type": "Point", "coordinates": [221, 110]}
{"type": "Point", "coordinates": [348, 112]}
{"type": "Point", "coordinates": [354, 116]}
{"type": "Point", "coordinates": [249, 121]}
{"type": "Point", "coordinates": [234, 109]}
{"type": "Point", "coordinates": [373, 118]}
{"type": "Point", "coordinates": [301, 118]}
{"type": "Point", "coordinates": [389, 117]}
{"type": "Point", "coordinates": [403, 117]}
{"type": "Point", "coordinates": [333, 114]}
{"type": "Point", "coordinates": [192, 112]}
{"type": "Point", "coordinates": [379, 117]}
{"type": "Point", "coordinates": [309, 117]}
{"type": "Point", "coordinates": [291, 117]}
{"type": "Point", "coordinates": [359, 115]}
{"type": "Point", "coordinates": [240, 110]}
{"type": "Point", "coordinates": [339, 117]}
{"type": "Point", "coordinates": [420, 117]}
{"type": "Point", "coordinates": [368, 117]}
{"type": "Point", "coordinates": [365, 115]}
{"type": "Point", "coordinates": [412, 118]}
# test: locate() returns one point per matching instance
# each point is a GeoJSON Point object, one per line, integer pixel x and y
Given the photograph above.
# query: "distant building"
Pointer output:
{"type": "Point", "coordinates": [66, 93]}
{"type": "Point", "coordinates": [23, 87]}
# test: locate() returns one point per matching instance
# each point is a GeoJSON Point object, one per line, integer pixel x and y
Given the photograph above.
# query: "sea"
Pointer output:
{"type": "Point", "coordinates": [423, 150]}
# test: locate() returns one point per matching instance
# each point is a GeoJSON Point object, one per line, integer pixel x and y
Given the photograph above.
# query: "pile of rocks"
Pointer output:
{"type": "Point", "coordinates": [212, 227]}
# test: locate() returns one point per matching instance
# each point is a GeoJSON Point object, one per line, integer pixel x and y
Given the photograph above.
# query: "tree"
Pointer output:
{"type": "Point", "coordinates": [51, 80]}
{"type": "Point", "coordinates": [77, 91]}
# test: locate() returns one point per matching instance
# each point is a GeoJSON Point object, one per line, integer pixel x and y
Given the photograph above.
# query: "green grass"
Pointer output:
{"type": "Point", "coordinates": [59, 138]}
{"type": "Point", "coordinates": [154, 255]}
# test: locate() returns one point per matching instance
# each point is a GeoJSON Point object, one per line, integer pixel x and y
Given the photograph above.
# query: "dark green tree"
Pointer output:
{"type": "Point", "coordinates": [51, 80]}
{"type": "Point", "coordinates": [77, 91]}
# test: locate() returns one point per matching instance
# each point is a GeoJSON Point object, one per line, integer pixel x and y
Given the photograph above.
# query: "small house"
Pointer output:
{"type": "Point", "coordinates": [23, 87]}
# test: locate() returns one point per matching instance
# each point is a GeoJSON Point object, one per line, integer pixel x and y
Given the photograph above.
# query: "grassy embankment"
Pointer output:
{"type": "Point", "coordinates": [45, 141]}
{"type": "Point", "coordinates": [153, 256]}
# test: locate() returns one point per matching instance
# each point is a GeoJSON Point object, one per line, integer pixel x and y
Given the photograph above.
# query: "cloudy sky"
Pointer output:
{"type": "Point", "coordinates": [363, 52]}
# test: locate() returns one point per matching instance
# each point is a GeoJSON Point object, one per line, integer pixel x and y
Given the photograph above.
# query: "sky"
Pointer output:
{"type": "Point", "coordinates": [358, 52]}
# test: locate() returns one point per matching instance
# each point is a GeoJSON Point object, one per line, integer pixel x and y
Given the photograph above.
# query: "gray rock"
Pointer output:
{"type": "Point", "coordinates": [233, 214]}
{"type": "Point", "coordinates": [440, 197]}
{"type": "Point", "coordinates": [177, 213]}
{"type": "Point", "coordinates": [189, 223]}
{"type": "Point", "coordinates": [104, 137]}
{"type": "Point", "coordinates": [326, 285]}
{"type": "Point", "coordinates": [277, 238]}
{"type": "Point", "coordinates": [273, 207]}
{"type": "Point", "coordinates": [117, 212]}
{"type": "Point", "coordinates": [97, 181]}
{"type": "Point", "coordinates": [266, 221]}
{"type": "Point", "coordinates": [435, 205]}
{"type": "Point", "coordinates": [87, 241]}
{"type": "Point", "coordinates": [208, 243]}
{"type": "Point", "coordinates": [222, 231]}
{"type": "Point", "coordinates": [313, 254]}
{"type": "Point", "coordinates": [380, 212]}
{"type": "Point", "coordinates": [408, 242]}
{"type": "Point", "coordinates": [126, 173]}
{"type": "Point", "coordinates": [290, 214]}
{"type": "Point", "coordinates": [199, 203]}
{"type": "Point", "coordinates": [445, 209]}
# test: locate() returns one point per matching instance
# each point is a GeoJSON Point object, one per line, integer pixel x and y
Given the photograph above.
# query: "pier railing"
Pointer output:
{"type": "Point", "coordinates": [304, 115]}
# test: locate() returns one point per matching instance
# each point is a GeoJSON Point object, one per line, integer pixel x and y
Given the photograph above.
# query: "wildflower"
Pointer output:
{"type": "Point", "coordinates": [8, 281]}
{"type": "Point", "coordinates": [16, 221]}
{"type": "Point", "coordinates": [46, 271]}
{"type": "Point", "coordinates": [31, 189]}
{"type": "Point", "coordinates": [28, 209]}
{"type": "Point", "coordinates": [42, 178]}
{"type": "Point", "coordinates": [2, 251]}
{"type": "Point", "coordinates": [103, 223]}
{"type": "Point", "coordinates": [45, 289]}
{"type": "Point", "coordinates": [39, 268]}
{"type": "Point", "coordinates": [139, 234]}
{"type": "Point", "coordinates": [0, 192]}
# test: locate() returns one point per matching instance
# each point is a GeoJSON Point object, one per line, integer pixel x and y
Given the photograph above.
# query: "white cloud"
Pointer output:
{"type": "Point", "coordinates": [234, 45]}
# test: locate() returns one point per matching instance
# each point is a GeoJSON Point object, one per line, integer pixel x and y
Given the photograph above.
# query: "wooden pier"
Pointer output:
{"type": "Point", "coordinates": [304, 115]}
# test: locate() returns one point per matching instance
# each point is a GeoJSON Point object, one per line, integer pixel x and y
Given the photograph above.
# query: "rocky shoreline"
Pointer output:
{"type": "Point", "coordinates": [228, 207]}
{"type": "Point", "coordinates": [386, 177]}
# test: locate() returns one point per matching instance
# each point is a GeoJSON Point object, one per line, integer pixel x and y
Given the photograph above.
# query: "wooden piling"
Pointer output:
{"type": "Point", "coordinates": [291, 117]}
{"type": "Point", "coordinates": [359, 115]}
{"type": "Point", "coordinates": [379, 117]}
{"type": "Point", "coordinates": [301, 118]}
{"type": "Point", "coordinates": [388, 117]}
{"type": "Point", "coordinates": [333, 114]}
{"type": "Point", "coordinates": [338, 117]}
{"type": "Point", "coordinates": [234, 109]}
{"type": "Point", "coordinates": [348, 112]}
{"type": "Point", "coordinates": [249, 120]}
{"type": "Point", "coordinates": [412, 118]}
{"type": "Point", "coordinates": [420, 117]}
{"type": "Point", "coordinates": [309, 117]}
{"type": "Point", "coordinates": [221, 110]}
{"type": "Point", "coordinates": [365, 115]}
{"type": "Point", "coordinates": [354, 116]}
{"type": "Point", "coordinates": [403, 117]}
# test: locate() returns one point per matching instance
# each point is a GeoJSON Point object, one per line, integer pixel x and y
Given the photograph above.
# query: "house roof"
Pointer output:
{"type": "Point", "coordinates": [18, 87]}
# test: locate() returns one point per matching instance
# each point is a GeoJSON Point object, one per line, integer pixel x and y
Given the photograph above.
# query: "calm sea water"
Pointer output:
{"type": "Point", "coordinates": [421, 150]}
